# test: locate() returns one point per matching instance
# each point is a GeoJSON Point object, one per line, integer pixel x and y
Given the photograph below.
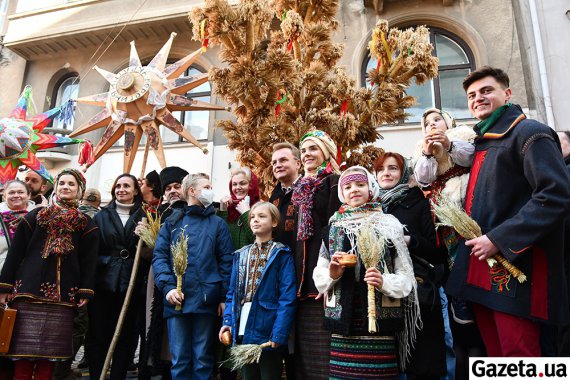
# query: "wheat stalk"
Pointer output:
{"type": "Point", "coordinates": [149, 231]}
{"type": "Point", "coordinates": [370, 247]}
{"type": "Point", "coordinates": [180, 260]}
{"type": "Point", "coordinates": [450, 214]}
{"type": "Point", "coordinates": [243, 354]}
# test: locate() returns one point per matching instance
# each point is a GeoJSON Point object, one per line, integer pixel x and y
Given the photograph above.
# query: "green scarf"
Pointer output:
{"type": "Point", "coordinates": [484, 125]}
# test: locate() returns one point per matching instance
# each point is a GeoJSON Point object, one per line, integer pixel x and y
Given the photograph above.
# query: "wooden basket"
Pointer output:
{"type": "Point", "coordinates": [7, 320]}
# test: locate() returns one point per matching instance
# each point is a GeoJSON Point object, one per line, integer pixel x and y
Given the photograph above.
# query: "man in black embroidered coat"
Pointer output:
{"type": "Point", "coordinates": [286, 163]}
{"type": "Point", "coordinates": [518, 193]}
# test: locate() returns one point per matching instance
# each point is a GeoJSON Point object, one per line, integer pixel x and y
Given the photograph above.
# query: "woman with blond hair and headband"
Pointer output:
{"type": "Point", "coordinates": [49, 271]}
{"type": "Point", "coordinates": [316, 200]}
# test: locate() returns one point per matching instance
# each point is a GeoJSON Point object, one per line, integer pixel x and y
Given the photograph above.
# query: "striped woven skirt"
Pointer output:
{"type": "Point", "coordinates": [42, 331]}
{"type": "Point", "coordinates": [312, 342]}
{"type": "Point", "coordinates": [363, 357]}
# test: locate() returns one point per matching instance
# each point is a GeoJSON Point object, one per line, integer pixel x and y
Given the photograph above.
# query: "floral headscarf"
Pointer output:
{"type": "Point", "coordinates": [327, 146]}
{"type": "Point", "coordinates": [351, 174]}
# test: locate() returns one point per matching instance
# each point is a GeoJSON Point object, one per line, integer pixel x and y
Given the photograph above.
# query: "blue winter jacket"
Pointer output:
{"type": "Point", "coordinates": [210, 249]}
{"type": "Point", "coordinates": [273, 306]}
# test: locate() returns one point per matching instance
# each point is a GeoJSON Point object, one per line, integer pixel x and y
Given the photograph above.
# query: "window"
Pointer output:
{"type": "Point", "coordinates": [446, 91]}
{"type": "Point", "coordinates": [68, 88]}
{"type": "Point", "coordinates": [196, 122]}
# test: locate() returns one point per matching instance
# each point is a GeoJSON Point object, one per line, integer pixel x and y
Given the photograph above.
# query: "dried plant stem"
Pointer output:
{"type": "Point", "coordinates": [372, 322]}
{"type": "Point", "coordinates": [243, 354]}
{"type": "Point", "coordinates": [297, 50]}
{"type": "Point", "coordinates": [180, 260]}
{"type": "Point", "coordinates": [452, 215]}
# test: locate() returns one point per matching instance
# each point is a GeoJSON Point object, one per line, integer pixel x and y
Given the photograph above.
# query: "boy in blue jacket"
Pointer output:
{"type": "Point", "coordinates": [260, 305]}
{"type": "Point", "coordinates": [192, 330]}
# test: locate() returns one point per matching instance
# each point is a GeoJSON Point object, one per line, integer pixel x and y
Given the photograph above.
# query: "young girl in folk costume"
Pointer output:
{"type": "Point", "coordinates": [260, 304]}
{"type": "Point", "coordinates": [49, 271]}
{"type": "Point", "coordinates": [356, 352]}
{"type": "Point", "coordinates": [316, 200]}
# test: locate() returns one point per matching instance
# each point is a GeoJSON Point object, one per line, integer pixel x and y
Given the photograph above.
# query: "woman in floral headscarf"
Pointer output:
{"type": "Point", "coordinates": [315, 196]}
{"type": "Point", "coordinates": [58, 245]}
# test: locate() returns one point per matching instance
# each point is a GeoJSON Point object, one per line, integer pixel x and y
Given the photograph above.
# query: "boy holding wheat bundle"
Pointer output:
{"type": "Point", "coordinates": [518, 194]}
{"type": "Point", "coordinates": [192, 330]}
{"type": "Point", "coordinates": [366, 276]}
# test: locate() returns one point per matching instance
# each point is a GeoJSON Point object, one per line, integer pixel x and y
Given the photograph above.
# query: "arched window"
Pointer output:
{"type": "Point", "coordinates": [446, 91]}
{"type": "Point", "coordinates": [66, 89]}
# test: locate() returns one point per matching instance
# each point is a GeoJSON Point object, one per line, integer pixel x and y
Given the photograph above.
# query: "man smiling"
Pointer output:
{"type": "Point", "coordinates": [518, 193]}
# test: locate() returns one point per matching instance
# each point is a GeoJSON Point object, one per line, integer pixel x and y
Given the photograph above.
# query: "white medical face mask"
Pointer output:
{"type": "Point", "coordinates": [206, 197]}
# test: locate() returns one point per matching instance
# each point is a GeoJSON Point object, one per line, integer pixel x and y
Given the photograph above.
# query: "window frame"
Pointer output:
{"type": "Point", "coordinates": [54, 97]}
{"type": "Point", "coordinates": [433, 30]}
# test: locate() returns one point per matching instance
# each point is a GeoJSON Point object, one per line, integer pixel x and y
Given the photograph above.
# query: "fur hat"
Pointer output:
{"type": "Point", "coordinates": [171, 174]}
{"type": "Point", "coordinates": [449, 120]}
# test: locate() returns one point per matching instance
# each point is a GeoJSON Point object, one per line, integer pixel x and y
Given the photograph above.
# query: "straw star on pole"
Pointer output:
{"type": "Point", "coordinates": [140, 99]}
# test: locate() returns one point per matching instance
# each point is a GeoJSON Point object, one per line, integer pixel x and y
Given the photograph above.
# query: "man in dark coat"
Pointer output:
{"type": "Point", "coordinates": [286, 163]}
{"type": "Point", "coordinates": [518, 193]}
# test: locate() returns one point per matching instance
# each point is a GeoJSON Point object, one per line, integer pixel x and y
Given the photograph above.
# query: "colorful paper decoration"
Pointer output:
{"type": "Point", "coordinates": [21, 138]}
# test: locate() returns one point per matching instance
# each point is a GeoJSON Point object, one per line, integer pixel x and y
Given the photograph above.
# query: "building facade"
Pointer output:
{"type": "Point", "coordinates": [53, 45]}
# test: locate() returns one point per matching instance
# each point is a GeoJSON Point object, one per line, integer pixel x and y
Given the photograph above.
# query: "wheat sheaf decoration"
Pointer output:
{"type": "Point", "coordinates": [451, 214]}
{"type": "Point", "coordinates": [180, 259]}
{"type": "Point", "coordinates": [281, 77]}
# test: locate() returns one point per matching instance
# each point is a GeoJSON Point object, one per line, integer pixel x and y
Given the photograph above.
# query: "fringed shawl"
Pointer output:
{"type": "Point", "coordinates": [348, 221]}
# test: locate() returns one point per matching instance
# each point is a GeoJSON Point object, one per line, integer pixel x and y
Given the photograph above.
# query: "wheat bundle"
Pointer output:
{"type": "Point", "coordinates": [150, 229]}
{"type": "Point", "coordinates": [243, 354]}
{"type": "Point", "coordinates": [370, 248]}
{"type": "Point", "coordinates": [180, 260]}
{"type": "Point", "coordinates": [450, 214]}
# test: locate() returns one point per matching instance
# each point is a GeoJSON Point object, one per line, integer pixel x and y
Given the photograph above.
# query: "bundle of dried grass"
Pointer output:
{"type": "Point", "coordinates": [149, 232]}
{"type": "Point", "coordinates": [284, 83]}
{"type": "Point", "coordinates": [243, 354]}
{"type": "Point", "coordinates": [370, 247]}
{"type": "Point", "coordinates": [180, 260]}
{"type": "Point", "coordinates": [452, 215]}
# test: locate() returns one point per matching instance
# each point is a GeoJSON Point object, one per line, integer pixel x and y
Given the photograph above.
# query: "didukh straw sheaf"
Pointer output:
{"type": "Point", "coordinates": [451, 214]}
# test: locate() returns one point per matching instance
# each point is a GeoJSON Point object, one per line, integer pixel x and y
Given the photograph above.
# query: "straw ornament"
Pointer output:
{"type": "Point", "coordinates": [450, 214]}
{"type": "Point", "coordinates": [296, 66]}
{"type": "Point", "coordinates": [180, 259]}
{"type": "Point", "coordinates": [370, 247]}
{"type": "Point", "coordinates": [244, 354]}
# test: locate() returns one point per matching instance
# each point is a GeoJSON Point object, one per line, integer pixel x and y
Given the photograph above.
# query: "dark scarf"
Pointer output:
{"type": "Point", "coordinates": [60, 220]}
{"type": "Point", "coordinates": [395, 195]}
{"type": "Point", "coordinates": [484, 125]}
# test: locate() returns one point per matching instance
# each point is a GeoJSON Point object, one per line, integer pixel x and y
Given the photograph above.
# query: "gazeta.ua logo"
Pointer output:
{"type": "Point", "coordinates": [518, 368]}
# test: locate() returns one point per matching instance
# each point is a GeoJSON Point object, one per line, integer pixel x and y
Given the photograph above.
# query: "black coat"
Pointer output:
{"type": "Point", "coordinates": [114, 238]}
{"type": "Point", "coordinates": [326, 203]}
{"type": "Point", "coordinates": [428, 354]}
{"type": "Point", "coordinates": [63, 280]}
{"type": "Point", "coordinates": [288, 226]}
{"type": "Point", "coordinates": [518, 193]}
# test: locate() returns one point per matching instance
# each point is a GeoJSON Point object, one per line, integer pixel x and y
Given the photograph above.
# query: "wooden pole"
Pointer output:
{"type": "Point", "coordinates": [145, 157]}
{"type": "Point", "coordinates": [124, 309]}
